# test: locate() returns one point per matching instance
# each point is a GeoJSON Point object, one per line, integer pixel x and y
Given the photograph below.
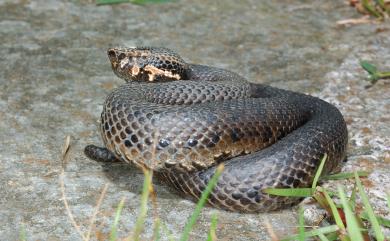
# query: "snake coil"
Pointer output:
{"type": "Point", "coordinates": [182, 119]}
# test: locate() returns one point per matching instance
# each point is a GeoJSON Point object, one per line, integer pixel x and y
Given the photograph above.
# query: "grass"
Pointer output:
{"type": "Point", "coordinates": [146, 192]}
{"type": "Point", "coordinates": [147, 187]}
{"type": "Point", "coordinates": [380, 9]}
{"type": "Point", "coordinates": [114, 227]}
{"type": "Point", "coordinates": [348, 220]}
{"type": "Point", "coordinates": [374, 74]}
{"type": "Point", "coordinates": [201, 203]}
{"type": "Point", "coordinates": [348, 223]}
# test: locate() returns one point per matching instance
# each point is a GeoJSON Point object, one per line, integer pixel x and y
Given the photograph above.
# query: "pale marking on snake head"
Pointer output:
{"type": "Point", "coordinates": [153, 71]}
{"type": "Point", "coordinates": [134, 70]}
{"type": "Point", "coordinates": [124, 61]}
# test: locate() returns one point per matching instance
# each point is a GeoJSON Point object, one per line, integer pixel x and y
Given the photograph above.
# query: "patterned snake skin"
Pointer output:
{"type": "Point", "coordinates": [181, 120]}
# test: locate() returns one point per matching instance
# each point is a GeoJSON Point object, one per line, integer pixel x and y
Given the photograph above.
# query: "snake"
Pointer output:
{"type": "Point", "coordinates": [183, 120]}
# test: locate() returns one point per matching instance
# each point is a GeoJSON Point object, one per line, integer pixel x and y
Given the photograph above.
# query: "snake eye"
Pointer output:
{"type": "Point", "coordinates": [121, 56]}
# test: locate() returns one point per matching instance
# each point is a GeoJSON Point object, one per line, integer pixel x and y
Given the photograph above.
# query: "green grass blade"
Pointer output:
{"type": "Point", "coordinates": [352, 224]}
{"type": "Point", "coordinates": [167, 232]}
{"type": "Point", "coordinates": [139, 225]}
{"type": "Point", "coordinates": [371, 9]}
{"type": "Point", "coordinates": [323, 237]}
{"type": "Point", "coordinates": [345, 175]}
{"type": "Point", "coordinates": [370, 68]}
{"type": "Point", "coordinates": [370, 212]}
{"type": "Point", "coordinates": [289, 192]}
{"type": "Point", "coordinates": [382, 221]}
{"type": "Point", "coordinates": [22, 233]}
{"type": "Point", "coordinates": [352, 199]}
{"type": "Point", "coordinates": [332, 236]}
{"type": "Point", "coordinates": [213, 227]}
{"type": "Point", "coordinates": [114, 227]}
{"type": "Point", "coordinates": [213, 181]}
{"type": "Point", "coordinates": [315, 232]}
{"type": "Point", "coordinates": [383, 75]}
{"type": "Point", "coordinates": [301, 225]}
{"type": "Point", "coordinates": [335, 212]}
{"type": "Point", "coordinates": [156, 230]}
{"type": "Point", "coordinates": [319, 171]}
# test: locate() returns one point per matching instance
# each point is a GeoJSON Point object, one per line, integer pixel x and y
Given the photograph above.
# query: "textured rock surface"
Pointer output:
{"type": "Point", "coordinates": [54, 77]}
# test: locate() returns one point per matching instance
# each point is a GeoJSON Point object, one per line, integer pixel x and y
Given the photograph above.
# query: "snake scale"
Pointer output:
{"type": "Point", "coordinates": [181, 120]}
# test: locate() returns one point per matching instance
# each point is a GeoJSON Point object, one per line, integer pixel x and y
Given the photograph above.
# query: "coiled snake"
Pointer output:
{"type": "Point", "coordinates": [181, 120]}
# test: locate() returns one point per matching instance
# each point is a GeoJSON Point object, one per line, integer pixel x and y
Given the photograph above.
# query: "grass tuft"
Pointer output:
{"type": "Point", "coordinates": [213, 227]}
{"type": "Point", "coordinates": [370, 212]}
{"type": "Point", "coordinates": [301, 225]}
{"type": "Point", "coordinates": [353, 228]}
{"type": "Point", "coordinates": [313, 233]}
{"type": "Point", "coordinates": [22, 233]}
{"type": "Point", "coordinates": [345, 175]}
{"type": "Point", "coordinates": [114, 227]}
{"type": "Point", "coordinates": [147, 188]}
{"type": "Point", "coordinates": [299, 192]}
{"type": "Point", "coordinates": [202, 201]}
{"type": "Point", "coordinates": [374, 74]}
{"type": "Point", "coordinates": [348, 222]}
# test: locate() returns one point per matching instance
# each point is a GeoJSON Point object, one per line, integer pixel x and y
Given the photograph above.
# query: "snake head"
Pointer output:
{"type": "Point", "coordinates": [147, 64]}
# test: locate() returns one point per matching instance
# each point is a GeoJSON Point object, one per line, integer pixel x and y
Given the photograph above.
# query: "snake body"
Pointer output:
{"type": "Point", "coordinates": [181, 120]}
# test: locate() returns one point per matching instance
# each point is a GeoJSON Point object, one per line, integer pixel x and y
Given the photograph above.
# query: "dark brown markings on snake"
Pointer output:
{"type": "Point", "coordinates": [113, 130]}
{"type": "Point", "coordinates": [289, 180]}
{"type": "Point", "coordinates": [130, 117]}
{"type": "Point", "coordinates": [192, 142]}
{"type": "Point", "coordinates": [135, 125]}
{"type": "Point", "coordinates": [134, 139]}
{"type": "Point", "coordinates": [236, 195]}
{"type": "Point", "coordinates": [123, 122]}
{"type": "Point", "coordinates": [267, 134]}
{"type": "Point", "coordinates": [163, 143]}
{"type": "Point", "coordinates": [148, 141]}
{"type": "Point", "coordinates": [215, 138]}
{"type": "Point", "coordinates": [235, 135]}
{"type": "Point", "coordinates": [128, 143]}
{"type": "Point", "coordinates": [140, 147]}
{"type": "Point", "coordinates": [251, 193]}
{"type": "Point", "coordinates": [245, 201]}
{"type": "Point", "coordinates": [128, 130]}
